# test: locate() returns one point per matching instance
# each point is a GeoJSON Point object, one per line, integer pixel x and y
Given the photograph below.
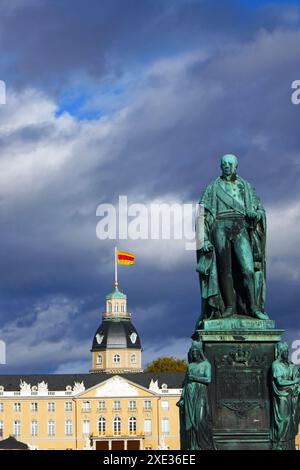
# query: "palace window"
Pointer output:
{"type": "Point", "coordinates": [165, 405]}
{"type": "Point", "coordinates": [122, 308]}
{"type": "Point", "coordinates": [132, 425]}
{"type": "Point", "coordinates": [17, 407]}
{"type": "Point", "coordinates": [68, 406]}
{"type": "Point", "coordinates": [1, 407]}
{"type": "Point", "coordinates": [34, 406]}
{"type": "Point", "coordinates": [101, 425]}
{"type": "Point", "coordinates": [117, 405]}
{"type": "Point", "coordinates": [86, 427]}
{"type": "Point", "coordinates": [116, 308]}
{"type": "Point", "coordinates": [34, 428]}
{"type": "Point", "coordinates": [1, 429]}
{"type": "Point", "coordinates": [86, 406]}
{"type": "Point", "coordinates": [99, 359]}
{"type": "Point", "coordinates": [148, 426]}
{"type": "Point", "coordinates": [51, 428]}
{"type": "Point", "coordinates": [133, 358]}
{"type": "Point", "coordinates": [147, 405]}
{"type": "Point", "coordinates": [117, 426]}
{"type": "Point", "coordinates": [17, 428]}
{"type": "Point", "coordinates": [116, 359]}
{"type": "Point", "coordinates": [101, 405]}
{"type": "Point", "coordinates": [132, 405]}
{"type": "Point", "coordinates": [109, 308]}
{"type": "Point", "coordinates": [165, 426]}
{"type": "Point", "coordinates": [51, 406]}
{"type": "Point", "coordinates": [68, 427]}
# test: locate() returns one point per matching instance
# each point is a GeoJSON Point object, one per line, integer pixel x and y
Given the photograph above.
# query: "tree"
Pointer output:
{"type": "Point", "coordinates": [167, 364]}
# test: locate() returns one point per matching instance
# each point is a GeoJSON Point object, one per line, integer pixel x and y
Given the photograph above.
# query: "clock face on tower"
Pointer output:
{"type": "Point", "coordinates": [133, 337]}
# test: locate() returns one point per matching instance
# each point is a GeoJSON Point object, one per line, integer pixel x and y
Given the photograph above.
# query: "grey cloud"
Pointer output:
{"type": "Point", "coordinates": [185, 111]}
{"type": "Point", "coordinates": [50, 42]}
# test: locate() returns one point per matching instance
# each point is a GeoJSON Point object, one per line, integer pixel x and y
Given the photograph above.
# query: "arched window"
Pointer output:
{"type": "Point", "coordinates": [122, 308]}
{"type": "Point", "coordinates": [133, 359]}
{"type": "Point", "coordinates": [109, 307]}
{"type": "Point", "coordinates": [101, 425]}
{"type": "Point", "coordinates": [132, 425]}
{"type": "Point", "coordinates": [117, 426]}
{"type": "Point", "coordinates": [99, 359]}
{"type": "Point", "coordinates": [116, 359]}
{"type": "Point", "coordinates": [116, 308]}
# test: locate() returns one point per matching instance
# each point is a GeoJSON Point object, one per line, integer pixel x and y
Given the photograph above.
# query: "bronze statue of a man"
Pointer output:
{"type": "Point", "coordinates": [231, 259]}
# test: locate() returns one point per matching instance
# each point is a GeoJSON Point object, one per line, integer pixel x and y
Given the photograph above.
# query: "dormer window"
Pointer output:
{"type": "Point", "coordinates": [133, 337]}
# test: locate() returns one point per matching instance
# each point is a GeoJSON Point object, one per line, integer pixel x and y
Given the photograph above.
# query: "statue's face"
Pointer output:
{"type": "Point", "coordinates": [228, 165]}
{"type": "Point", "coordinates": [285, 354]}
{"type": "Point", "coordinates": [195, 355]}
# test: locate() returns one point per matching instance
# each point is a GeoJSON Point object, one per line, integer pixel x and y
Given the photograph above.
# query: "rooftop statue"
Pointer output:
{"type": "Point", "coordinates": [231, 259]}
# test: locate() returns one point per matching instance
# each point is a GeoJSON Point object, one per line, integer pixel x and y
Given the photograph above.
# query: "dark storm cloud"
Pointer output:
{"type": "Point", "coordinates": [48, 42]}
{"type": "Point", "coordinates": [211, 80]}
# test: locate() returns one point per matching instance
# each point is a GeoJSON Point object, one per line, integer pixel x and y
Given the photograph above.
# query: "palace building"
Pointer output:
{"type": "Point", "coordinates": [114, 407]}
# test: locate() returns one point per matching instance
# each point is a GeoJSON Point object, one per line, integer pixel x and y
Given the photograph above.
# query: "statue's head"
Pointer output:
{"type": "Point", "coordinates": [196, 353]}
{"type": "Point", "coordinates": [229, 164]}
{"type": "Point", "coordinates": [282, 351]}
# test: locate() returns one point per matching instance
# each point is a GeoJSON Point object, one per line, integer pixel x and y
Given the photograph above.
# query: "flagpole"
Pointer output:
{"type": "Point", "coordinates": [116, 268]}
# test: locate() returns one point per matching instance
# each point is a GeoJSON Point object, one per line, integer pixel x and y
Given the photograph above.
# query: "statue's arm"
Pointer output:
{"type": "Point", "coordinates": [279, 380]}
{"type": "Point", "coordinates": [181, 400]}
{"type": "Point", "coordinates": [260, 211]}
{"type": "Point", "coordinates": [203, 229]}
{"type": "Point", "coordinates": [206, 378]}
{"type": "Point", "coordinates": [201, 379]}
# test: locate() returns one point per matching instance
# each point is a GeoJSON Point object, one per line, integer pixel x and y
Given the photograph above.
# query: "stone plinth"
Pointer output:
{"type": "Point", "coordinates": [241, 352]}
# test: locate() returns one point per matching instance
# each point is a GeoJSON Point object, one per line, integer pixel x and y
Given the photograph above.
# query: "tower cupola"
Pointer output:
{"type": "Point", "coordinates": [116, 344]}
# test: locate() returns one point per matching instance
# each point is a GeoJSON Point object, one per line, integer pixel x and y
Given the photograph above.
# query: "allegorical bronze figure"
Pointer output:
{"type": "Point", "coordinates": [195, 416]}
{"type": "Point", "coordinates": [231, 259]}
{"type": "Point", "coordinates": [286, 401]}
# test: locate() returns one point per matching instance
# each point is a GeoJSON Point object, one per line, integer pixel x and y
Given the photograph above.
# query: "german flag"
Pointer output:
{"type": "Point", "coordinates": [125, 258]}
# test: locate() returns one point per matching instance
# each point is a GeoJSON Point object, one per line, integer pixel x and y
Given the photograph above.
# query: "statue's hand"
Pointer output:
{"type": "Point", "coordinates": [180, 403]}
{"type": "Point", "coordinates": [253, 215]}
{"type": "Point", "coordinates": [207, 247]}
